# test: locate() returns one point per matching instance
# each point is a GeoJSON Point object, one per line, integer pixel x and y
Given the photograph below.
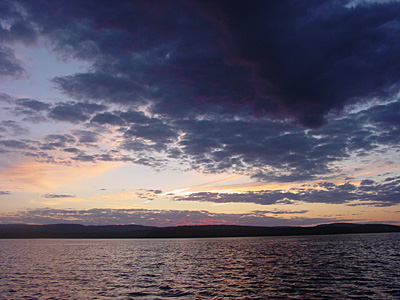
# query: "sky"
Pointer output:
{"type": "Point", "coordinates": [164, 113]}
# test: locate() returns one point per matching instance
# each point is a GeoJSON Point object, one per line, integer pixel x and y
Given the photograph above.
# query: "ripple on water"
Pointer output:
{"type": "Point", "coordinates": [315, 267]}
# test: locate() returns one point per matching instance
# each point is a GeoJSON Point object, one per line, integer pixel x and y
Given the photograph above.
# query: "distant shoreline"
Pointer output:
{"type": "Point", "coordinates": [25, 231]}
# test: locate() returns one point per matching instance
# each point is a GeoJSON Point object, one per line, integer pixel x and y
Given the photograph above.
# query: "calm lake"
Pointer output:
{"type": "Point", "coordinates": [356, 266]}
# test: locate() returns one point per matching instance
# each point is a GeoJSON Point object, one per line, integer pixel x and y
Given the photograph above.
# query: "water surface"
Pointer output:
{"type": "Point", "coordinates": [356, 266]}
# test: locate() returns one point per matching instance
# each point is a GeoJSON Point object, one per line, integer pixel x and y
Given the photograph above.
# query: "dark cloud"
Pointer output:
{"type": "Point", "coordinates": [22, 31]}
{"type": "Point", "coordinates": [327, 185]}
{"type": "Point", "coordinates": [66, 113]}
{"type": "Point", "coordinates": [236, 145]}
{"type": "Point", "coordinates": [148, 193]}
{"type": "Point", "coordinates": [72, 150]}
{"type": "Point", "coordinates": [84, 157]}
{"type": "Point", "coordinates": [2, 193]}
{"type": "Point", "coordinates": [302, 64]}
{"type": "Point", "coordinates": [105, 157]}
{"type": "Point", "coordinates": [13, 127]}
{"type": "Point", "coordinates": [265, 149]}
{"type": "Point", "coordinates": [117, 28]}
{"type": "Point", "coordinates": [146, 134]}
{"type": "Point", "coordinates": [158, 133]}
{"type": "Point", "coordinates": [156, 191]}
{"type": "Point", "coordinates": [32, 111]}
{"type": "Point", "coordinates": [304, 56]}
{"type": "Point", "coordinates": [103, 87]}
{"type": "Point", "coordinates": [136, 117]}
{"type": "Point", "coordinates": [269, 150]}
{"type": "Point", "coordinates": [391, 179]}
{"type": "Point", "coordinates": [136, 146]}
{"type": "Point", "coordinates": [54, 141]}
{"type": "Point", "coordinates": [220, 86]}
{"type": "Point", "coordinates": [107, 118]}
{"type": "Point", "coordinates": [86, 137]}
{"type": "Point", "coordinates": [41, 156]}
{"type": "Point", "coordinates": [15, 144]}
{"type": "Point", "coordinates": [384, 119]}
{"type": "Point", "coordinates": [157, 217]}
{"type": "Point", "coordinates": [56, 196]}
{"type": "Point", "coordinates": [295, 60]}
{"type": "Point", "coordinates": [291, 154]}
{"type": "Point", "coordinates": [5, 98]}
{"type": "Point", "coordinates": [367, 182]}
{"type": "Point", "coordinates": [32, 104]}
{"type": "Point", "coordinates": [15, 25]}
{"type": "Point", "coordinates": [113, 155]}
{"type": "Point", "coordinates": [9, 64]}
{"type": "Point", "coordinates": [262, 197]}
{"type": "Point", "coordinates": [74, 112]}
{"type": "Point", "coordinates": [62, 139]}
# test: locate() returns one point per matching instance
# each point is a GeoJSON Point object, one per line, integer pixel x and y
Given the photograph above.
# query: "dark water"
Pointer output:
{"type": "Point", "coordinates": [365, 266]}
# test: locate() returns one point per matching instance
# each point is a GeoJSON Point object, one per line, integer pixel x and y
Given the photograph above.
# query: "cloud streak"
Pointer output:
{"type": "Point", "coordinates": [368, 192]}
{"type": "Point", "coordinates": [57, 196]}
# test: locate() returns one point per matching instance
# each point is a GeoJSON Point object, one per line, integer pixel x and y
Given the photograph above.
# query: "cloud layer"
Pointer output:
{"type": "Point", "coordinates": [156, 217]}
{"type": "Point", "coordinates": [282, 91]}
{"type": "Point", "coordinates": [268, 150]}
{"type": "Point", "coordinates": [297, 60]}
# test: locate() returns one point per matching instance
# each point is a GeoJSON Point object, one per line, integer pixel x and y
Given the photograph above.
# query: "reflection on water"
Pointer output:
{"type": "Point", "coordinates": [365, 266]}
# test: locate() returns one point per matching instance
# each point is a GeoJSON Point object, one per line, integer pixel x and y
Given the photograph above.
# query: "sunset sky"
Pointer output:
{"type": "Point", "coordinates": [166, 113]}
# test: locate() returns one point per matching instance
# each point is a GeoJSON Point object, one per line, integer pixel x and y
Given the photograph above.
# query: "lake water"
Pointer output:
{"type": "Point", "coordinates": [359, 266]}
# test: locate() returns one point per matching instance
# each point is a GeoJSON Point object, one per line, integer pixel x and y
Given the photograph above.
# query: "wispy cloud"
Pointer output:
{"type": "Point", "coordinates": [56, 196]}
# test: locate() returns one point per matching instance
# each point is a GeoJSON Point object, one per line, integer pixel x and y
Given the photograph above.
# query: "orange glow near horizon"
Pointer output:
{"type": "Point", "coordinates": [42, 178]}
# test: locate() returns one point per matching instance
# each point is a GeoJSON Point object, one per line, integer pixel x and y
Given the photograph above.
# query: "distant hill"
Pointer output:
{"type": "Point", "coordinates": [11, 231]}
